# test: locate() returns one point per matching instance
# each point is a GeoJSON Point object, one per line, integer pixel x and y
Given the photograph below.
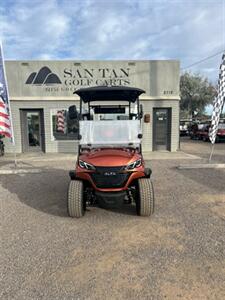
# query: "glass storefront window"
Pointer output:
{"type": "Point", "coordinates": [62, 127]}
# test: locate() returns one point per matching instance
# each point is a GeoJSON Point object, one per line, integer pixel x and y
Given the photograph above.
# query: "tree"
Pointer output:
{"type": "Point", "coordinates": [196, 93]}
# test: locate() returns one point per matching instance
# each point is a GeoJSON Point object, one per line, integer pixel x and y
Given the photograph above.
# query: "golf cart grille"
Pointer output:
{"type": "Point", "coordinates": [109, 177]}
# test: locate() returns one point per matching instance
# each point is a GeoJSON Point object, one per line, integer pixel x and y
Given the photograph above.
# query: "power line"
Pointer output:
{"type": "Point", "coordinates": [204, 59]}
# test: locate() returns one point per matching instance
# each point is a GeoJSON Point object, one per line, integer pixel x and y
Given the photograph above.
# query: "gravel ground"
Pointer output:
{"type": "Point", "coordinates": [178, 253]}
{"type": "Point", "coordinates": [203, 149]}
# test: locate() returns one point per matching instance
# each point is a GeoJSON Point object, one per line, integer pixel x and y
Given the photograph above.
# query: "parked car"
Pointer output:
{"type": "Point", "coordinates": [197, 131]}
{"type": "Point", "coordinates": [220, 136]}
{"type": "Point", "coordinates": [220, 133]}
{"type": "Point", "coordinates": [201, 132]}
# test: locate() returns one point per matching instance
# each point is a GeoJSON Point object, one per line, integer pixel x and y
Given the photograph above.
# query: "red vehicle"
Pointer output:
{"type": "Point", "coordinates": [220, 136]}
{"type": "Point", "coordinates": [201, 132]}
{"type": "Point", "coordinates": [110, 169]}
{"type": "Point", "coordinates": [220, 132]}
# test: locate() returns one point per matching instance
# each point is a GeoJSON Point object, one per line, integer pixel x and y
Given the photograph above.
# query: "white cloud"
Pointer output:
{"type": "Point", "coordinates": [32, 30]}
{"type": "Point", "coordinates": [115, 29]}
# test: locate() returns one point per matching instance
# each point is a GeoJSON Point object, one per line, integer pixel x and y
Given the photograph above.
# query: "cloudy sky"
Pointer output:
{"type": "Point", "coordinates": [188, 30]}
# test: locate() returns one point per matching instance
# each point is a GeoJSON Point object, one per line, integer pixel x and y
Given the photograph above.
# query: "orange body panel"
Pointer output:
{"type": "Point", "coordinates": [107, 157]}
{"type": "Point", "coordinates": [110, 158]}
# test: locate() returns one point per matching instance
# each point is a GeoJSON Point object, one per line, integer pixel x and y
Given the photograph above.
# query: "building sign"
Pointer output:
{"type": "Point", "coordinates": [102, 76]}
{"type": "Point", "coordinates": [73, 78]}
{"type": "Point", "coordinates": [43, 76]}
{"type": "Point", "coordinates": [48, 79]}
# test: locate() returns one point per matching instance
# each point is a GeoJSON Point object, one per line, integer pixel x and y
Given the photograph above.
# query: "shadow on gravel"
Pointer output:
{"type": "Point", "coordinates": [211, 178]}
{"type": "Point", "coordinates": [47, 191]}
{"type": "Point", "coordinates": [126, 209]}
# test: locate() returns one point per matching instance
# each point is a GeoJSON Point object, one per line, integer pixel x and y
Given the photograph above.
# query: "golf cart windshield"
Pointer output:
{"type": "Point", "coordinates": [110, 133]}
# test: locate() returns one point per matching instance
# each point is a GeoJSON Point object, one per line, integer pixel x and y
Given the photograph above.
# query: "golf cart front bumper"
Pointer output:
{"type": "Point", "coordinates": [116, 183]}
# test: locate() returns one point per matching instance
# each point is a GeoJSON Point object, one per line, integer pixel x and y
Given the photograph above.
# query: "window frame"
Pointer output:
{"type": "Point", "coordinates": [53, 112]}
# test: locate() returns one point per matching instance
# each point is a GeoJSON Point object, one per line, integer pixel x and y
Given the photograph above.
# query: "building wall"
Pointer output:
{"type": "Point", "coordinates": [70, 146]}
{"type": "Point", "coordinates": [147, 144]}
{"type": "Point", "coordinates": [160, 80]}
{"type": "Point", "coordinates": [51, 145]}
{"type": "Point", "coordinates": [157, 78]}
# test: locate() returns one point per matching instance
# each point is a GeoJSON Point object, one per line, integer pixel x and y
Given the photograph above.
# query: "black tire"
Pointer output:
{"type": "Point", "coordinates": [75, 199]}
{"type": "Point", "coordinates": [145, 200]}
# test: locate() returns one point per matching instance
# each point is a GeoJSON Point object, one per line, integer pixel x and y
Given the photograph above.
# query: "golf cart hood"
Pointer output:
{"type": "Point", "coordinates": [110, 157]}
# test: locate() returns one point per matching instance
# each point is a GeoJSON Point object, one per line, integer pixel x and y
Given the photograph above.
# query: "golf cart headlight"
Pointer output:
{"type": "Point", "coordinates": [85, 165]}
{"type": "Point", "coordinates": [133, 165]}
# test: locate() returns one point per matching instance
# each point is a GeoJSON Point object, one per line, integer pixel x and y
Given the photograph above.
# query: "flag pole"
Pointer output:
{"type": "Point", "coordinates": [213, 145]}
{"type": "Point", "coordinates": [9, 107]}
{"type": "Point", "coordinates": [218, 105]}
{"type": "Point", "coordinates": [212, 149]}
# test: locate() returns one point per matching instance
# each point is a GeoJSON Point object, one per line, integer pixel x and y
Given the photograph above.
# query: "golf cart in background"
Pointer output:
{"type": "Point", "coordinates": [184, 127]}
{"type": "Point", "coordinates": [110, 169]}
{"type": "Point", "coordinates": [201, 132]}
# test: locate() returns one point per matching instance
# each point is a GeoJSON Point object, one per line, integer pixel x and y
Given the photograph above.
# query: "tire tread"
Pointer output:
{"type": "Point", "coordinates": [75, 199]}
{"type": "Point", "coordinates": [146, 197]}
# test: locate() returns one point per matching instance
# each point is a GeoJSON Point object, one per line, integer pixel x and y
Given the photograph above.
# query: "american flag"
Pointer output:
{"type": "Point", "coordinates": [5, 116]}
{"type": "Point", "coordinates": [61, 121]}
{"type": "Point", "coordinates": [218, 103]}
{"type": "Point", "coordinates": [4, 119]}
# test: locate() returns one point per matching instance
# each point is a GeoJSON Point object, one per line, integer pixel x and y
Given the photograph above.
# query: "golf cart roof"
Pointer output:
{"type": "Point", "coordinates": [116, 93]}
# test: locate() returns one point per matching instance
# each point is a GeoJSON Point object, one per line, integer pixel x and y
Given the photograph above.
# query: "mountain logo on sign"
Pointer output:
{"type": "Point", "coordinates": [44, 76]}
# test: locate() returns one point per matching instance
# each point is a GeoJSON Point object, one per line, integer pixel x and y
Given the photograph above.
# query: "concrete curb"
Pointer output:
{"type": "Point", "coordinates": [19, 171]}
{"type": "Point", "coordinates": [162, 155]}
{"type": "Point", "coordinates": [39, 159]}
{"type": "Point", "coordinates": [159, 155]}
{"type": "Point", "coordinates": [201, 166]}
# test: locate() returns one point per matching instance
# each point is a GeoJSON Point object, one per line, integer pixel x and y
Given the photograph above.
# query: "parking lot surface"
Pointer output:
{"type": "Point", "coordinates": [178, 253]}
{"type": "Point", "coordinates": [203, 149]}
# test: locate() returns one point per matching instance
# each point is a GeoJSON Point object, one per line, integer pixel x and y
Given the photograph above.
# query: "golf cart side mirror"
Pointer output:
{"type": "Point", "coordinates": [141, 111]}
{"type": "Point", "coordinates": [73, 113]}
{"type": "Point", "coordinates": [140, 136]}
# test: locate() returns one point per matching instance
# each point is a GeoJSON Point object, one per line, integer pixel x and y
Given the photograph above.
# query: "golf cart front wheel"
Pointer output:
{"type": "Point", "coordinates": [75, 200]}
{"type": "Point", "coordinates": [145, 200]}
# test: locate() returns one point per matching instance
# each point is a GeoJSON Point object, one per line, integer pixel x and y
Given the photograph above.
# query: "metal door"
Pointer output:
{"type": "Point", "coordinates": [32, 126]}
{"type": "Point", "coordinates": [161, 129]}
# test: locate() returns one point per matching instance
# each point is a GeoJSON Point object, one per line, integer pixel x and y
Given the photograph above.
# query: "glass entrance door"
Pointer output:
{"type": "Point", "coordinates": [32, 130]}
{"type": "Point", "coordinates": [161, 128]}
